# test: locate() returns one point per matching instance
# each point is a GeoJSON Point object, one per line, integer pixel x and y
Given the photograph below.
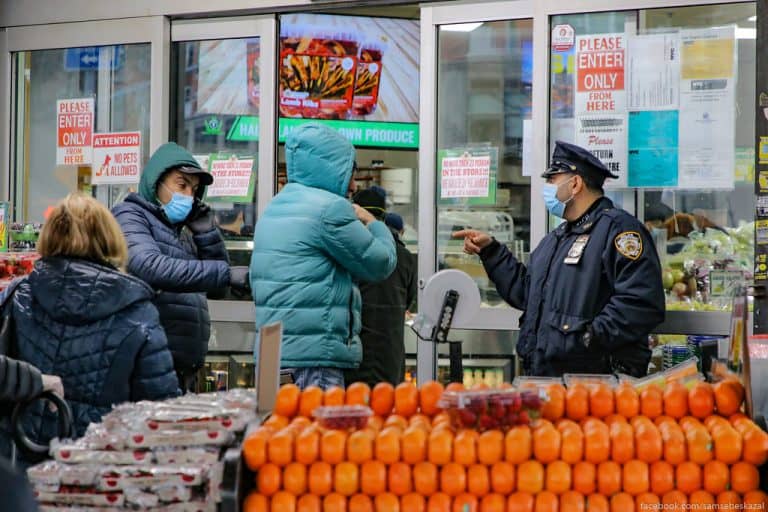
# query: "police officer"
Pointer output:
{"type": "Point", "coordinates": [592, 291]}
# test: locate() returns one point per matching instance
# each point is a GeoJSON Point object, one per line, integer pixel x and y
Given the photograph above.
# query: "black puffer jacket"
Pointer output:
{"type": "Point", "coordinates": [96, 328]}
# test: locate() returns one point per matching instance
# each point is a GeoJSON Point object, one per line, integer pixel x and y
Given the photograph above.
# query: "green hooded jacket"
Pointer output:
{"type": "Point", "coordinates": [168, 155]}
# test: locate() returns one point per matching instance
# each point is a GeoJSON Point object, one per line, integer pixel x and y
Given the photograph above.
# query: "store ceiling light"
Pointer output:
{"type": "Point", "coordinates": [460, 27]}
{"type": "Point", "coordinates": [746, 33]}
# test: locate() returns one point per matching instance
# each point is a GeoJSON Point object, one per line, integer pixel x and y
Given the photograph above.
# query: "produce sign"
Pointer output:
{"type": "Point", "coordinates": [594, 447]}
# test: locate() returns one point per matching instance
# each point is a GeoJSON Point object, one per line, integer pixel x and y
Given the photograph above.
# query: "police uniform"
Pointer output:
{"type": "Point", "coordinates": [592, 291]}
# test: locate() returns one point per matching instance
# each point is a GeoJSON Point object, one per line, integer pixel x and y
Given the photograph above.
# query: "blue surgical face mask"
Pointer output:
{"type": "Point", "coordinates": [554, 205]}
{"type": "Point", "coordinates": [178, 208]}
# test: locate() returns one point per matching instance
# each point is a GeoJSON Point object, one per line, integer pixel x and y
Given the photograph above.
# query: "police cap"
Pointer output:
{"type": "Point", "coordinates": [572, 158]}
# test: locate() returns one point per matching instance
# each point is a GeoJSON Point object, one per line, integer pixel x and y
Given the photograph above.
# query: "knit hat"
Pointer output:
{"type": "Point", "coordinates": [372, 200]}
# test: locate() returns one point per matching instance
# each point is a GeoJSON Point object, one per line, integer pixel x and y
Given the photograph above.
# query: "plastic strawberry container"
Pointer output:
{"type": "Point", "coordinates": [590, 379]}
{"type": "Point", "coordinates": [535, 382]}
{"type": "Point", "coordinates": [489, 409]}
{"type": "Point", "coordinates": [343, 417]}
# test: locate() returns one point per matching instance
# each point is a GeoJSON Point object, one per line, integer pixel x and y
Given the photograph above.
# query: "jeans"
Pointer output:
{"type": "Point", "coordinates": [323, 378]}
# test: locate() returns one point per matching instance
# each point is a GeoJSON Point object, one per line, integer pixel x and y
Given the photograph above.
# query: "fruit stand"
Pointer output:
{"type": "Point", "coordinates": [581, 443]}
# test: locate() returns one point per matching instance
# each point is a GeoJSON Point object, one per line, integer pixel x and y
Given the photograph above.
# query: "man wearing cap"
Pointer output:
{"type": "Point", "coordinates": [175, 247]}
{"type": "Point", "coordinates": [592, 291]}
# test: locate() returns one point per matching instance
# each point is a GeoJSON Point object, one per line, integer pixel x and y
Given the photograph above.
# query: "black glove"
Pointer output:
{"type": "Point", "coordinates": [239, 278]}
{"type": "Point", "coordinates": [201, 219]}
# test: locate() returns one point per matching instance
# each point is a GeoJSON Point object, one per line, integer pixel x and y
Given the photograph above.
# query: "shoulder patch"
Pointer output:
{"type": "Point", "coordinates": [629, 244]}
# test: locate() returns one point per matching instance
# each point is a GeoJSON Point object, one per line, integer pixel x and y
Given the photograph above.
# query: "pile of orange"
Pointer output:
{"type": "Point", "coordinates": [594, 449]}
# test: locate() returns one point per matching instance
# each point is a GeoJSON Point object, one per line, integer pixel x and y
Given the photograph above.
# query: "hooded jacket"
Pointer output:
{"type": "Point", "coordinates": [308, 248]}
{"type": "Point", "coordinates": [180, 266]}
{"type": "Point", "coordinates": [96, 328]}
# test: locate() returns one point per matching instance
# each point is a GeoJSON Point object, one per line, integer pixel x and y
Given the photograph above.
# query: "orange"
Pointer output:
{"type": "Point", "coordinates": [373, 478]}
{"type": "Point", "coordinates": [283, 501]}
{"type": "Point", "coordinates": [439, 502]}
{"type": "Point", "coordinates": [493, 503]}
{"type": "Point", "coordinates": [420, 420]}
{"type": "Point", "coordinates": [256, 502]}
{"type": "Point", "coordinates": [287, 400]}
{"type": "Point", "coordinates": [546, 444]}
{"type": "Point", "coordinates": [413, 503]}
{"type": "Point", "coordinates": [406, 399]}
{"type": "Point", "coordinates": [547, 502]}
{"type": "Point", "coordinates": [675, 400]}
{"type": "Point", "coordinates": [627, 400]}
{"type": "Point", "coordinates": [717, 477]}
{"type": "Point", "coordinates": [729, 394]}
{"type": "Point", "coordinates": [440, 447]}
{"type": "Point", "coordinates": [277, 421]}
{"type": "Point", "coordinates": [280, 448]}
{"type": "Point", "coordinates": [554, 408]}
{"type": "Point", "coordinates": [490, 447]}
{"type": "Point", "coordinates": [387, 502]}
{"type": "Point", "coordinates": [268, 479]}
{"type": "Point", "coordinates": [295, 478]}
{"type": "Point", "coordinates": [478, 480]}
{"type": "Point", "coordinates": [608, 478]}
{"type": "Point", "coordinates": [334, 395]}
{"type": "Point", "coordinates": [622, 442]}
{"type": "Point", "coordinates": [701, 400]}
{"type": "Point", "coordinates": [757, 498]}
{"type": "Point", "coordinates": [387, 445]}
{"type": "Point", "coordinates": [755, 449]}
{"type": "Point", "coordinates": [383, 398]}
{"type": "Point", "coordinates": [360, 503]}
{"type": "Point", "coordinates": [698, 498]}
{"type": "Point", "coordinates": [413, 445]}
{"type": "Point", "coordinates": [255, 448]}
{"type": "Point", "coordinates": [358, 393]}
{"type": "Point", "coordinates": [577, 402]}
{"type": "Point", "coordinates": [572, 501]}
{"type": "Point", "coordinates": [571, 443]}
{"type": "Point", "coordinates": [647, 501]}
{"type": "Point", "coordinates": [648, 442]}
{"type": "Point", "coordinates": [455, 386]}
{"type": "Point", "coordinates": [399, 481]}
{"type": "Point", "coordinates": [429, 395]}
{"type": "Point", "coordinates": [688, 477]}
{"type": "Point", "coordinates": [425, 478]}
{"type": "Point", "coordinates": [346, 478]}
{"type": "Point", "coordinates": [518, 444]}
{"type": "Point", "coordinates": [311, 503]}
{"type": "Point", "coordinates": [622, 502]}
{"type": "Point", "coordinates": [395, 420]}
{"type": "Point", "coordinates": [503, 478]}
{"type": "Point", "coordinates": [464, 447]}
{"type": "Point", "coordinates": [453, 479]}
{"type": "Point", "coordinates": [311, 399]}
{"type": "Point", "coordinates": [652, 401]}
{"type": "Point", "coordinates": [333, 446]}
{"type": "Point", "coordinates": [530, 477]}
{"type": "Point", "coordinates": [662, 477]}
{"type": "Point", "coordinates": [728, 445]}
{"type": "Point", "coordinates": [320, 478]}
{"type": "Point", "coordinates": [521, 502]}
{"type": "Point", "coordinates": [307, 446]}
{"type": "Point", "coordinates": [744, 477]}
{"type": "Point", "coordinates": [699, 444]}
{"type": "Point", "coordinates": [334, 502]}
{"type": "Point", "coordinates": [675, 450]}
{"type": "Point", "coordinates": [635, 476]}
{"type": "Point", "coordinates": [598, 503]}
{"type": "Point", "coordinates": [674, 500]}
{"type": "Point", "coordinates": [558, 477]}
{"type": "Point", "coordinates": [359, 447]}
{"type": "Point", "coordinates": [601, 403]}
{"type": "Point", "coordinates": [729, 498]}
{"type": "Point", "coordinates": [597, 442]}
{"type": "Point", "coordinates": [465, 503]}
{"type": "Point", "coordinates": [584, 478]}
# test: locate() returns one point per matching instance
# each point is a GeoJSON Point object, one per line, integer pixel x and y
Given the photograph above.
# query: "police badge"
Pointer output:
{"type": "Point", "coordinates": [629, 244]}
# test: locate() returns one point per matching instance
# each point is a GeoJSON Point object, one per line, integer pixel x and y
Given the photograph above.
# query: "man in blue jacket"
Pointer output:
{"type": "Point", "coordinates": [176, 248]}
{"type": "Point", "coordinates": [592, 291]}
{"type": "Point", "coordinates": [310, 245]}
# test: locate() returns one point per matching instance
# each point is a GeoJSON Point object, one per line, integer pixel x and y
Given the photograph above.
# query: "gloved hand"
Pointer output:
{"type": "Point", "coordinates": [239, 278]}
{"type": "Point", "coordinates": [201, 219]}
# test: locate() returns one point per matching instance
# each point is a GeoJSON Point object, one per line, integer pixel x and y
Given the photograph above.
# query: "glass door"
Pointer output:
{"type": "Point", "coordinates": [477, 124]}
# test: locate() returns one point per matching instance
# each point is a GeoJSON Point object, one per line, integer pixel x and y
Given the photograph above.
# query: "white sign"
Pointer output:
{"type": "Point", "coordinates": [707, 109]}
{"type": "Point", "coordinates": [653, 72]}
{"type": "Point", "coordinates": [231, 177]}
{"type": "Point", "coordinates": [465, 176]}
{"type": "Point", "coordinates": [116, 158]}
{"type": "Point", "coordinates": [74, 131]}
{"type": "Point", "coordinates": [605, 136]}
{"type": "Point", "coordinates": [562, 38]}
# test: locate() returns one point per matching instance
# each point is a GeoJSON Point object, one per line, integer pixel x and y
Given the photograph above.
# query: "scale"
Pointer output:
{"type": "Point", "coordinates": [450, 298]}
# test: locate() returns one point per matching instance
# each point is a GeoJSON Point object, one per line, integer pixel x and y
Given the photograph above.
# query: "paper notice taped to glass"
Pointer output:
{"type": "Point", "coordinates": [653, 70]}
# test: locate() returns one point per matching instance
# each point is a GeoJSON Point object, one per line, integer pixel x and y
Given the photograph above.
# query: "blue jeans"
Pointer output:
{"type": "Point", "coordinates": [323, 378]}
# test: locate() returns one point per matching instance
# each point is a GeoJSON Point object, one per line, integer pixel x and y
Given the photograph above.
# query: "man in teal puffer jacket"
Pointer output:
{"type": "Point", "coordinates": [310, 246]}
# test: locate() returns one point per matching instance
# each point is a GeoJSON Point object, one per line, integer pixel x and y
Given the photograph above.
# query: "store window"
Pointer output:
{"type": "Point", "coordinates": [664, 97]}
{"type": "Point", "coordinates": [81, 119]}
{"type": "Point", "coordinates": [216, 117]}
{"type": "Point", "coordinates": [483, 140]}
